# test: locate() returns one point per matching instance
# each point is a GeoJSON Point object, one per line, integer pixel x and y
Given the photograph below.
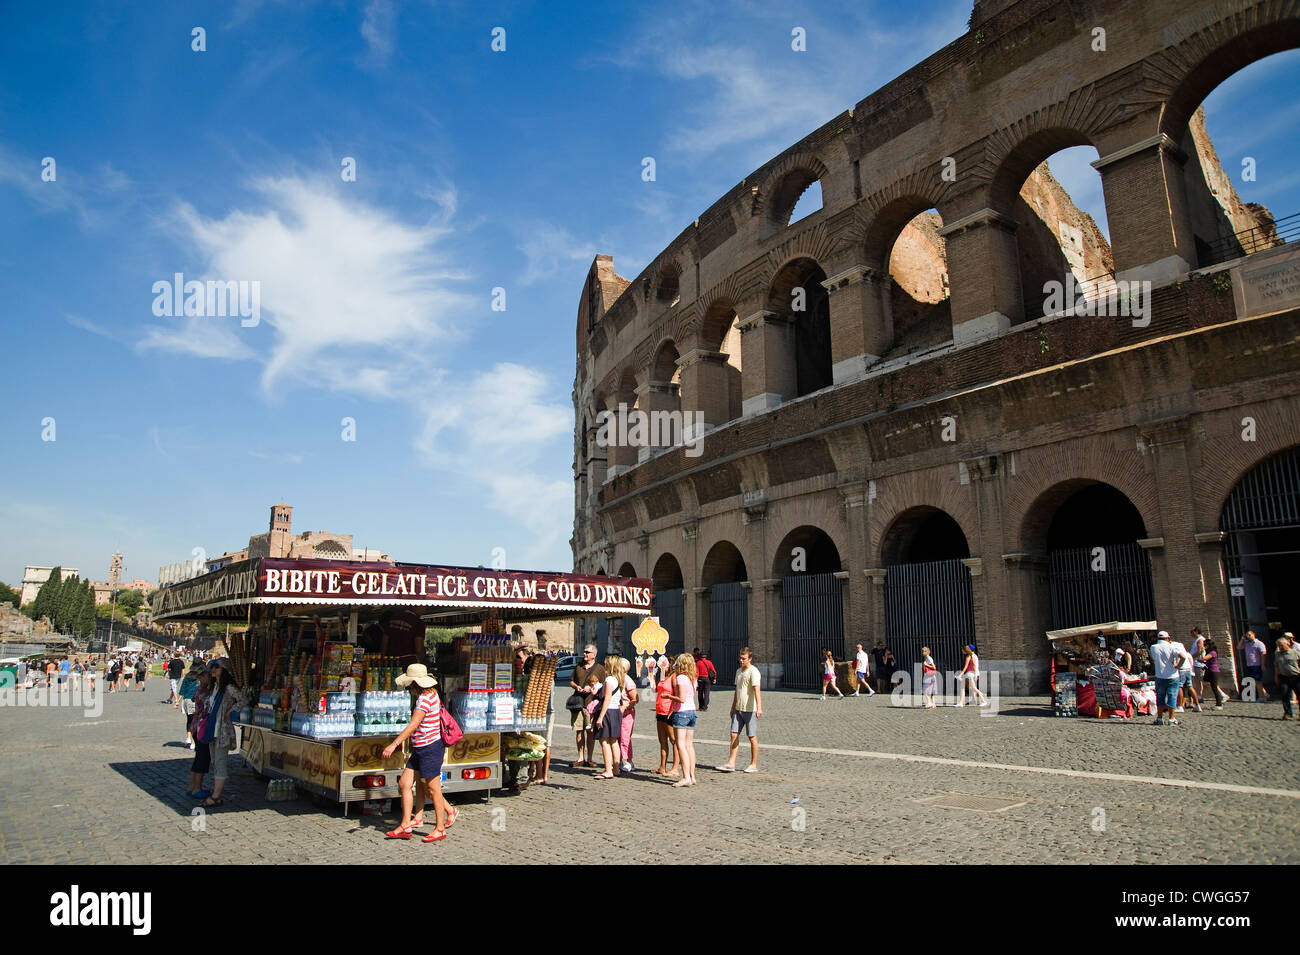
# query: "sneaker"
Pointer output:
{"type": "Point", "coordinates": [751, 769]}
{"type": "Point", "coordinates": [202, 794]}
{"type": "Point", "coordinates": [1178, 709]}
{"type": "Point", "coordinates": [1159, 721]}
{"type": "Point", "coordinates": [191, 744]}
{"type": "Point", "coordinates": [1174, 722]}
{"type": "Point", "coordinates": [984, 702]}
{"type": "Point", "coordinates": [1198, 707]}
{"type": "Point", "coordinates": [959, 704]}
{"type": "Point", "coordinates": [855, 692]}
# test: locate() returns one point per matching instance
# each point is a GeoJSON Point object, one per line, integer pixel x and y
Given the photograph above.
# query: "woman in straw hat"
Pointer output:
{"type": "Point", "coordinates": [427, 750]}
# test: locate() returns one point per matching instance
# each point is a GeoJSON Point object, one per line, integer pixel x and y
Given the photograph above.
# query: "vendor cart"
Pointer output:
{"type": "Point", "coordinates": [325, 641]}
{"type": "Point", "coordinates": [1085, 679]}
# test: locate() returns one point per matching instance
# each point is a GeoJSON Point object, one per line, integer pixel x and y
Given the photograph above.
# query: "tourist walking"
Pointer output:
{"type": "Point", "coordinates": [128, 671]}
{"type": "Point", "coordinates": [227, 698]}
{"type": "Point", "coordinates": [65, 673]}
{"type": "Point", "coordinates": [423, 772]}
{"type": "Point", "coordinates": [627, 719]}
{"type": "Point", "coordinates": [49, 673]}
{"type": "Point", "coordinates": [970, 677]}
{"type": "Point", "coordinates": [885, 665]}
{"type": "Point", "coordinates": [77, 671]}
{"type": "Point", "coordinates": [663, 723]}
{"type": "Point", "coordinates": [1209, 657]}
{"type": "Point", "coordinates": [141, 671]}
{"type": "Point", "coordinates": [1187, 697]}
{"type": "Point", "coordinates": [684, 715]}
{"type": "Point", "coordinates": [609, 718]}
{"type": "Point", "coordinates": [828, 674]}
{"type": "Point", "coordinates": [1286, 668]}
{"type": "Point", "coordinates": [584, 674]}
{"type": "Point", "coordinates": [929, 679]}
{"type": "Point", "coordinates": [175, 673]}
{"type": "Point", "coordinates": [746, 708]}
{"type": "Point", "coordinates": [862, 665]}
{"type": "Point", "coordinates": [1167, 658]}
{"type": "Point", "coordinates": [1253, 651]}
{"type": "Point", "coordinates": [1198, 665]}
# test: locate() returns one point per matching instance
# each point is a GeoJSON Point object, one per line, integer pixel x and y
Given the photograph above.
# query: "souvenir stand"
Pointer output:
{"type": "Point", "coordinates": [326, 640]}
{"type": "Point", "coordinates": [1085, 679]}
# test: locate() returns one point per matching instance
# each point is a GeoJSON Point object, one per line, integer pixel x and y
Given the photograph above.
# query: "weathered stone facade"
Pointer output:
{"type": "Point", "coordinates": [858, 413]}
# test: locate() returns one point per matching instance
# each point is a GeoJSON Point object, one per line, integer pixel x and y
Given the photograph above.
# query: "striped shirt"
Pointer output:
{"type": "Point", "coordinates": [430, 729]}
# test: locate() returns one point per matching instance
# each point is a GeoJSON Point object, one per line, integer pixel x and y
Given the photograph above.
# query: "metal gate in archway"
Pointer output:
{"type": "Point", "coordinates": [728, 627]}
{"type": "Point", "coordinates": [812, 620]}
{"type": "Point", "coordinates": [1261, 550]}
{"type": "Point", "coordinates": [929, 605]}
{"type": "Point", "coordinates": [1086, 590]}
{"type": "Point", "coordinates": [670, 607]}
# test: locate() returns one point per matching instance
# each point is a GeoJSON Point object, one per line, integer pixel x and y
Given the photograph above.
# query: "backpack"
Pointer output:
{"type": "Point", "coordinates": [451, 731]}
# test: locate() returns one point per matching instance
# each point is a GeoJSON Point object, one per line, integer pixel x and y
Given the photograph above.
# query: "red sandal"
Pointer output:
{"type": "Point", "coordinates": [452, 813]}
{"type": "Point", "coordinates": [436, 836]}
{"type": "Point", "coordinates": [398, 833]}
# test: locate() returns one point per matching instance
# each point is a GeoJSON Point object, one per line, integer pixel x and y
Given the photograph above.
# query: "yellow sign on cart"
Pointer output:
{"type": "Point", "coordinates": [367, 753]}
{"type": "Point", "coordinates": [476, 748]}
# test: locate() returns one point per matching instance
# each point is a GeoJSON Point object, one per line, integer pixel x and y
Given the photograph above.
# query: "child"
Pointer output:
{"type": "Point", "coordinates": [828, 675]}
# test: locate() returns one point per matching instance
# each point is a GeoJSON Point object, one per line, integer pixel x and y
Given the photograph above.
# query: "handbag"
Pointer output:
{"type": "Point", "coordinates": [574, 702]}
{"type": "Point", "coordinates": [451, 731]}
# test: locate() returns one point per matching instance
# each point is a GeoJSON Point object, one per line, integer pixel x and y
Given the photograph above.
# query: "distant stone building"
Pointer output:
{"type": "Point", "coordinates": [34, 577]}
{"type": "Point", "coordinates": [279, 541]}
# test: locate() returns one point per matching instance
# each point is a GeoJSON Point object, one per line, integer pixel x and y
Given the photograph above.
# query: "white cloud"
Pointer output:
{"type": "Point", "coordinates": [505, 429]}
{"type": "Point", "coordinates": [344, 285]}
{"type": "Point", "coordinates": [198, 337]}
{"type": "Point", "coordinates": [378, 26]}
{"type": "Point", "coordinates": [548, 249]}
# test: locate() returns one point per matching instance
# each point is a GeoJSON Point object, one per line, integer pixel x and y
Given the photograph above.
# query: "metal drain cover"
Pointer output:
{"type": "Point", "coordinates": [974, 803]}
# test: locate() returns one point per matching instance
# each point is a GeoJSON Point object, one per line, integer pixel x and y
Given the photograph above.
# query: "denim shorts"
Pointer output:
{"type": "Point", "coordinates": [427, 760]}
{"type": "Point", "coordinates": [1185, 679]}
{"type": "Point", "coordinates": [684, 720]}
{"type": "Point", "coordinates": [1167, 693]}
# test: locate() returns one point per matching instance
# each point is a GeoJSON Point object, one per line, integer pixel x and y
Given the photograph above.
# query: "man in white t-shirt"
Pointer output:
{"type": "Point", "coordinates": [1167, 658]}
{"type": "Point", "coordinates": [862, 664]}
{"type": "Point", "coordinates": [746, 708]}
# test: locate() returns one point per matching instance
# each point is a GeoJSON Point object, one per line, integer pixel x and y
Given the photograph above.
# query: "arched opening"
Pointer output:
{"type": "Point", "coordinates": [929, 601]}
{"type": "Point", "coordinates": [626, 570]}
{"type": "Point", "coordinates": [660, 401]}
{"type": "Point", "coordinates": [812, 604]}
{"type": "Point", "coordinates": [797, 294]}
{"type": "Point", "coordinates": [808, 203]}
{"type": "Point", "coordinates": [1237, 137]}
{"type": "Point", "coordinates": [330, 550]}
{"type": "Point", "coordinates": [1086, 533]}
{"type": "Point", "coordinates": [796, 196]}
{"type": "Point", "coordinates": [1050, 188]}
{"type": "Point", "coordinates": [725, 576]}
{"type": "Point", "coordinates": [668, 290]}
{"type": "Point", "coordinates": [669, 601]}
{"type": "Point", "coordinates": [717, 388]}
{"type": "Point", "coordinates": [904, 243]}
{"type": "Point", "coordinates": [1261, 549]}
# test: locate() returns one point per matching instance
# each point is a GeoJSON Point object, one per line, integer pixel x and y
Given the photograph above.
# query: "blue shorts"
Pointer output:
{"type": "Point", "coordinates": [683, 720]}
{"type": "Point", "coordinates": [1167, 693]}
{"type": "Point", "coordinates": [427, 760]}
{"type": "Point", "coordinates": [1185, 679]}
{"type": "Point", "coordinates": [862, 676]}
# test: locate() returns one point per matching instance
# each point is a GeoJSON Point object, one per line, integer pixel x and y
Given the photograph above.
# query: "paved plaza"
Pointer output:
{"type": "Point", "coordinates": [840, 782]}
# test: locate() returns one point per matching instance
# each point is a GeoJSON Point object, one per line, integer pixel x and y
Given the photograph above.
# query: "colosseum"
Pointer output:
{"type": "Point", "coordinates": [894, 430]}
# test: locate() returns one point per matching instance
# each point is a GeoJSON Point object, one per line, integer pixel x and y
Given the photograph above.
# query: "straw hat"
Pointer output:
{"type": "Point", "coordinates": [418, 674]}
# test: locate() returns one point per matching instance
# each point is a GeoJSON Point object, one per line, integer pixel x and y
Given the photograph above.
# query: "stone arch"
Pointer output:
{"type": "Point", "coordinates": [781, 188]}
{"type": "Point", "coordinates": [666, 283]}
{"type": "Point", "coordinates": [1223, 466]}
{"type": "Point", "coordinates": [1022, 156]}
{"type": "Point", "coordinates": [820, 549]}
{"type": "Point", "coordinates": [935, 489]}
{"type": "Point", "coordinates": [921, 534]}
{"type": "Point", "coordinates": [667, 572]}
{"type": "Point", "coordinates": [626, 569]}
{"type": "Point", "coordinates": [1202, 61]}
{"type": "Point", "coordinates": [1083, 462]}
{"type": "Point", "coordinates": [1036, 524]}
{"type": "Point", "coordinates": [723, 564]}
{"type": "Point", "coordinates": [799, 297]}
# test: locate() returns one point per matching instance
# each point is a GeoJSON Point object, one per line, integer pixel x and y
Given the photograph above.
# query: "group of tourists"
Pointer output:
{"type": "Point", "coordinates": [122, 667]}
{"type": "Point", "coordinates": [209, 696]}
{"type": "Point", "coordinates": [65, 673]}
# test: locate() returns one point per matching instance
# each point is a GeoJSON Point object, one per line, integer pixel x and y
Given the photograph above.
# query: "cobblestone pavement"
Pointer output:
{"type": "Point", "coordinates": [831, 789]}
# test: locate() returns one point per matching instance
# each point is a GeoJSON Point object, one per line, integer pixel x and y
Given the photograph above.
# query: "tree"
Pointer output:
{"type": "Point", "coordinates": [86, 612]}
{"type": "Point", "coordinates": [131, 601]}
{"type": "Point", "coordinates": [66, 607]}
{"type": "Point", "coordinates": [43, 605]}
{"type": "Point", "coordinates": [8, 595]}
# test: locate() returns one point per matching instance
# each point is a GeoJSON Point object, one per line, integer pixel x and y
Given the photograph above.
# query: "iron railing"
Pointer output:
{"type": "Point", "coordinates": [728, 628]}
{"type": "Point", "coordinates": [1250, 241]}
{"type": "Point", "coordinates": [929, 605]}
{"type": "Point", "coordinates": [812, 620]}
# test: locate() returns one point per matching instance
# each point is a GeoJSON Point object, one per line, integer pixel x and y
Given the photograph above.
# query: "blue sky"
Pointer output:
{"type": "Point", "coordinates": [475, 170]}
